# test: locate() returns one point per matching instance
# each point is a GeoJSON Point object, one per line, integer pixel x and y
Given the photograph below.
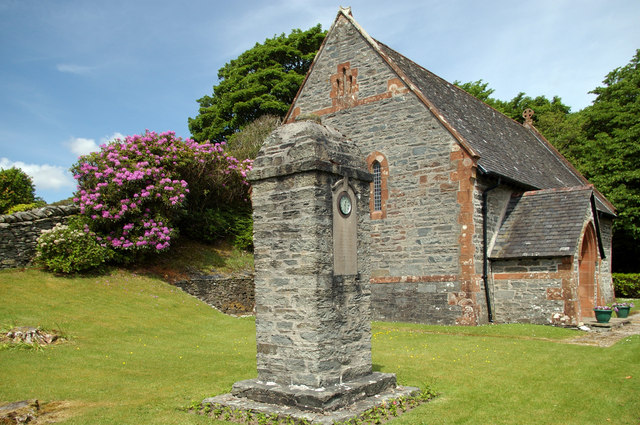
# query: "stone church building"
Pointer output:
{"type": "Point", "coordinates": [475, 218]}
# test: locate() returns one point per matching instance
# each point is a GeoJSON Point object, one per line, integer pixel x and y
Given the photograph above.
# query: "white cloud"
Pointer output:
{"type": "Point", "coordinates": [115, 135]}
{"type": "Point", "coordinates": [44, 176]}
{"type": "Point", "coordinates": [84, 146]}
{"type": "Point", "coordinates": [74, 69]}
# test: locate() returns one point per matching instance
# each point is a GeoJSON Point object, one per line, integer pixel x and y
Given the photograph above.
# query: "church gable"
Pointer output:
{"type": "Point", "coordinates": [344, 75]}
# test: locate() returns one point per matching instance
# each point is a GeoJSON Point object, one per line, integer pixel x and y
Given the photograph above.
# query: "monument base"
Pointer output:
{"type": "Point", "coordinates": [336, 403]}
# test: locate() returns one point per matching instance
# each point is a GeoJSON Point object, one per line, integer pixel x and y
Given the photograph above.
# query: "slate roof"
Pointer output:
{"type": "Point", "coordinates": [502, 146]}
{"type": "Point", "coordinates": [543, 223]}
{"type": "Point", "coordinates": [505, 147]}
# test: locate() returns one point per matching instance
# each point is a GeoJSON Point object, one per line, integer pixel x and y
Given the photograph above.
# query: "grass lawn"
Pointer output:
{"type": "Point", "coordinates": [139, 350]}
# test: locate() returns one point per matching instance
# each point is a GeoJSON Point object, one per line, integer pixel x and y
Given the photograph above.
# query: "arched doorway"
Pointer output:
{"type": "Point", "coordinates": [587, 272]}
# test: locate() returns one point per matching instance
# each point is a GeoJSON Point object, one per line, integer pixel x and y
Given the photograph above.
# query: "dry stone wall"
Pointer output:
{"type": "Point", "coordinates": [19, 232]}
{"type": "Point", "coordinates": [234, 295]}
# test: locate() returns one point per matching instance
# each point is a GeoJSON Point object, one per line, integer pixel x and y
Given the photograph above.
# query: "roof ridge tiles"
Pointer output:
{"type": "Point", "coordinates": [588, 187]}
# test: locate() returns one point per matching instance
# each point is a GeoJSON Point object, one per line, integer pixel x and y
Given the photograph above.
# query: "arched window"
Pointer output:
{"type": "Point", "coordinates": [377, 187]}
{"type": "Point", "coordinates": [378, 192]}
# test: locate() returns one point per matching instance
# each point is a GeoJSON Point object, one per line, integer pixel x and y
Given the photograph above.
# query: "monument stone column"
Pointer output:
{"type": "Point", "coordinates": [310, 189]}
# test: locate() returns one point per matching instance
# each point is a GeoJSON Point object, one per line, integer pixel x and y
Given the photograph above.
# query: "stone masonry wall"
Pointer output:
{"type": "Point", "coordinates": [234, 296]}
{"type": "Point", "coordinates": [530, 290]}
{"type": "Point", "coordinates": [19, 232]}
{"type": "Point", "coordinates": [416, 248]}
{"type": "Point", "coordinates": [288, 324]}
{"type": "Point", "coordinates": [605, 279]}
{"type": "Point", "coordinates": [312, 328]}
{"type": "Point", "coordinates": [497, 200]}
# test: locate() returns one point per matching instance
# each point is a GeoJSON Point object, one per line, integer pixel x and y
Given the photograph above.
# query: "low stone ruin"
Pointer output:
{"type": "Point", "coordinates": [29, 335]}
{"type": "Point", "coordinates": [20, 412]}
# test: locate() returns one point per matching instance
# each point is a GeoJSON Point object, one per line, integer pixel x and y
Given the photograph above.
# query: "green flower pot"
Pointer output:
{"type": "Point", "coordinates": [603, 316]}
{"type": "Point", "coordinates": [623, 312]}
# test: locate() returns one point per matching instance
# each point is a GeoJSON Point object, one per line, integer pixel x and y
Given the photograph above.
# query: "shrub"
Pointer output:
{"type": "Point", "coordinates": [247, 142]}
{"type": "Point", "coordinates": [243, 231]}
{"type": "Point", "coordinates": [71, 248]}
{"type": "Point", "coordinates": [16, 187]}
{"type": "Point", "coordinates": [226, 222]}
{"type": "Point", "coordinates": [627, 285]}
{"type": "Point", "coordinates": [209, 225]}
{"type": "Point", "coordinates": [136, 190]}
{"type": "Point", "coordinates": [26, 207]}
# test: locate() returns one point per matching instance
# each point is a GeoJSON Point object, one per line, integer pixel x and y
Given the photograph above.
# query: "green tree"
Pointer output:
{"type": "Point", "coordinates": [16, 187]}
{"type": "Point", "coordinates": [552, 118]}
{"type": "Point", "coordinates": [602, 141]}
{"type": "Point", "coordinates": [609, 155]}
{"type": "Point", "coordinates": [480, 90]}
{"type": "Point", "coordinates": [261, 81]}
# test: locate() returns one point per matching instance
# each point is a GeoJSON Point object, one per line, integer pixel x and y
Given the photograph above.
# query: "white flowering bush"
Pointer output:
{"type": "Point", "coordinates": [71, 248]}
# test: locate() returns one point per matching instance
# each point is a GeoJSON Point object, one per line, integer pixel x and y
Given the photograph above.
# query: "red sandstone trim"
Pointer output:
{"type": "Point", "coordinates": [384, 193]}
{"type": "Point", "coordinates": [464, 176]}
{"type": "Point", "coordinates": [530, 275]}
{"type": "Point", "coordinates": [350, 100]}
{"type": "Point", "coordinates": [554, 294]}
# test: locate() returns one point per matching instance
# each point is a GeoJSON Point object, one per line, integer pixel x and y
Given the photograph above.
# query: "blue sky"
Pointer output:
{"type": "Point", "coordinates": [76, 73]}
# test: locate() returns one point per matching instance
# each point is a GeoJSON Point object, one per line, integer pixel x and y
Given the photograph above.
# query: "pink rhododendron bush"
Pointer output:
{"type": "Point", "coordinates": [135, 191]}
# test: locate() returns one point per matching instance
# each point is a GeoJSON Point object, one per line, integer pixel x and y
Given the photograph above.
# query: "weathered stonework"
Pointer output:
{"type": "Point", "coordinates": [313, 331]}
{"type": "Point", "coordinates": [531, 291]}
{"type": "Point", "coordinates": [312, 327]}
{"type": "Point", "coordinates": [428, 184]}
{"type": "Point", "coordinates": [606, 233]}
{"type": "Point", "coordinates": [439, 151]}
{"type": "Point", "coordinates": [235, 296]}
{"type": "Point", "coordinates": [19, 232]}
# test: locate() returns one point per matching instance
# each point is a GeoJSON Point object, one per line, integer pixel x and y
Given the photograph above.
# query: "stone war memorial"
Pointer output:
{"type": "Point", "coordinates": [313, 333]}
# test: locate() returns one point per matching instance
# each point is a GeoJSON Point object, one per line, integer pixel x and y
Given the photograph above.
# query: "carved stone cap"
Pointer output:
{"type": "Point", "coordinates": [308, 146]}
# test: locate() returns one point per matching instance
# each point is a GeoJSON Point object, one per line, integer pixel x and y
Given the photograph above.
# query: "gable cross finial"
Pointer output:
{"type": "Point", "coordinates": [528, 116]}
{"type": "Point", "coordinates": [347, 10]}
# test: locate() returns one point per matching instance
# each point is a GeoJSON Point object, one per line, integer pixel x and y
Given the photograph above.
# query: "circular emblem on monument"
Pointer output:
{"type": "Point", "coordinates": [344, 204]}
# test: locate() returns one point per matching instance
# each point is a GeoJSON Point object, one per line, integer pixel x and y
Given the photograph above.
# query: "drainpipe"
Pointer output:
{"type": "Point", "coordinates": [485, 254]}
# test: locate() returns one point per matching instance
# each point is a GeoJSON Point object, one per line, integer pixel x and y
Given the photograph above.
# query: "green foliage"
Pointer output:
{"type": "Point", "coordinates": [71, 248]}
{"type": "Point", "coordinates": [247, 142]}
{"type": "Point", "coordinates": [480, 90]}
{"type": "Point", "coordinates": [210, 225]}
{"type": "Point", "coordinates": [609, 155]}
{"type": "Point", "coordinates": [243, 232]}
{"type": "Point", "coordinates": [16, 187]}
{"type": "Point", "coordinates": [602, 141]}
{"type": "Point", "coordinates": [215, 224]}
{"type": "Point", "coordinates": [263, 80]}
{"type": "Point", "coordinates": [26, 207]}
{"type": "Point", "coordinates": [627, 285]}
{"type": "Point", "coordinates": [136, 191]}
